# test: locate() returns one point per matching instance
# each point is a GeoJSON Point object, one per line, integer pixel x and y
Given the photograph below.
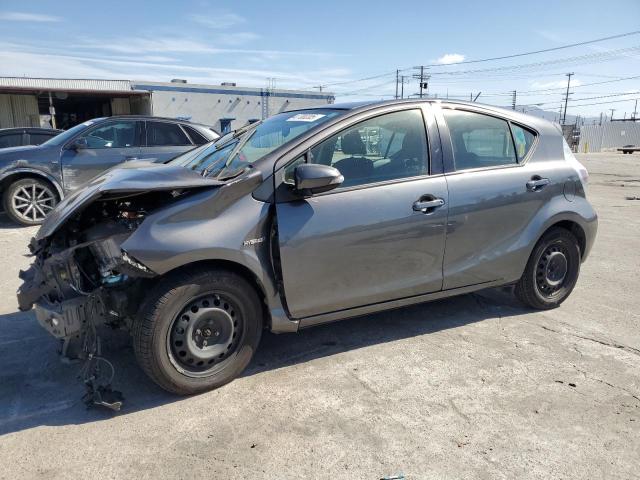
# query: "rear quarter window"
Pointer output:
{"type": "Point", "coordinates": [523, 139]}
{"type": "Point", "coordinates": [197, 138]}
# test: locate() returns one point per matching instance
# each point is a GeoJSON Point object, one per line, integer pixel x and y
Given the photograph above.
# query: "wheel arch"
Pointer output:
{"type": "Point", "coordinates": [575, 228]}
{"type": "Point", "coordinates": [234, 267]}
{"type": "Point", "coordinates": [20, 173]}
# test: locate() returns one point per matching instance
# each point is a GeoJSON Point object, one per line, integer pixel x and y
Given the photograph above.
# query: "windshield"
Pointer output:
{"type": "Point", "coordinates": [232, 153]}
{"type": "Point", "coordinates": [69, 134]}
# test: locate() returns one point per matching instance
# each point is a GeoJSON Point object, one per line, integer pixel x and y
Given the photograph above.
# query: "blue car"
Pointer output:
{"type": "Point", "coordinates": [33, 179]}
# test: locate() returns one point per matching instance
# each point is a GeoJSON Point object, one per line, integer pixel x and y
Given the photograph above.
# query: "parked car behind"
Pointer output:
{"type": "Point", "coordinates": [17, 137]}
{"type": "Point", "coordinates": [275, 226]}
{"type": "Point", "coordinates": [33, 179]}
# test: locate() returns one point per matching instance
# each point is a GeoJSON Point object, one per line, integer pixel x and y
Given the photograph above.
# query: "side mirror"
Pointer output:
{"type": "Point", "coordinates": [313, 178]}
{"type": "Point", "coordinates": [79, 144]}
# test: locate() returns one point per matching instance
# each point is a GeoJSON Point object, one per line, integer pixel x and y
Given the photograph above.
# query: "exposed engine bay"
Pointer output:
{"type": "Point", "coordinates": [81, 278]}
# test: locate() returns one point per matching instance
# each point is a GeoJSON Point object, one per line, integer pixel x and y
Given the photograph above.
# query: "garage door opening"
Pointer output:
{"type": "Point", "coordinates": [74, 108]}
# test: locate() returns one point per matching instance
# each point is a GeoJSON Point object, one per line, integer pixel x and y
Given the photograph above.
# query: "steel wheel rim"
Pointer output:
{"type": "Point", "coordinates": [33, 202]}
{"type": "Point", "coordinates": [204, 334]}
{"type": "Point", "coordinates": [552, 271]}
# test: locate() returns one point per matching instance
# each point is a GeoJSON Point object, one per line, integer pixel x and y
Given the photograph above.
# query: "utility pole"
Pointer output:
{"type": "Point", "coordinates": [612, 110]}
{"type": "Point", "coordinates": [423, 80]}
{"type": "Point", "coordinates": [635, 110]}
{"type": "Point", "coordinates": [566, 98]}
{"type": "Point", "coordinates": [397, 79]}
{"type": "Point", "coordinates": [513, 101]}
{"type": "Point", "coordinates": [402, 80]}
{"type": "Point", "coordinates": [319, 87]}
{"type": "Point", "coordinates": [600, 119]}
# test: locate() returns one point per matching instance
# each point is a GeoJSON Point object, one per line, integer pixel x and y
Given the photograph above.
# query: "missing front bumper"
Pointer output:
{"type": "Point", "coordinates": [68, 318]}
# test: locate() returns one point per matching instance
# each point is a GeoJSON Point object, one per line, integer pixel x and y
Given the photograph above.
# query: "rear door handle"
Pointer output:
{"type": "Point", "coordinates": [427, 206]}
{"type": "Point", "coordinates": [537, 184]}
{"type": "Point", "coordinates": [129, 159]}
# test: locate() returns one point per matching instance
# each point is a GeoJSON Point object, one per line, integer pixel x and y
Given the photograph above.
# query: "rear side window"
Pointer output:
{"type": "Point", "coordinates": [12, 140]}
{"type": "Point", "coordinates": [523, 139]}
{"type": "Point", "coordinates": [479, 141]}
{"type": "Point", "coordinates": [160, 134]}
{"type": "Point", "coordinates": [197, 138]}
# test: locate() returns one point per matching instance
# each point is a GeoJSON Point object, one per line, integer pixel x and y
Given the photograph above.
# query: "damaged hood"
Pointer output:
{"type": "Point", "coordinates": [131, 177]}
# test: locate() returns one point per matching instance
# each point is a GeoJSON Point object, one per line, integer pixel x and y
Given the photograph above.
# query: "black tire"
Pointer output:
{"type": "Point", "coordinates": [18, 207]}
{"type": "Point", "coordinates": [159, 328]}
{"type": "Point", "coordinates": [542, 285]}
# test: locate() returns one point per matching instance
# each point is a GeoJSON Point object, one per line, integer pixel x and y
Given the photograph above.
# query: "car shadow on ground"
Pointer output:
{"type": "Point", "coordinates": [38, 389]}
{"type": "Point", "coordinates": [7, 224]}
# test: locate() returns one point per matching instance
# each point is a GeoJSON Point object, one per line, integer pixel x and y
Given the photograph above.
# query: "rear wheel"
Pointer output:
{"type": "Point", "coordinates": [551, 272]}
{"type": "Point", "coordinates": [198, 331]}
{"type": "Point", "coordinates": [29, 200]}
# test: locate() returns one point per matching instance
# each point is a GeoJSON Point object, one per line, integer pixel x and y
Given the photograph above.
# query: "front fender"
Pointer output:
{"type": "Point", "coordinates": [224, 224]}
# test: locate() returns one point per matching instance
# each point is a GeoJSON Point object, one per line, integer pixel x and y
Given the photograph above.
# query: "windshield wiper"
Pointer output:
{"type": "Point", "coordinates": [237, 174]}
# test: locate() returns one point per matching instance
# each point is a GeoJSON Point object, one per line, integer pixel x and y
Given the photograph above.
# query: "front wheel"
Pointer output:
{"type": "Point", "coordinates": [551, 272]}
{"type": "Point", "coordinates": [29, 200]}
{"type": "Point", "coordinates": [199, 330]}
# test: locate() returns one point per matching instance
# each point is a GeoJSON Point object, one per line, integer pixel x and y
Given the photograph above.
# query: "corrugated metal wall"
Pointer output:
{"type": "Point", "coordinates": [66, 84]}
{"type": "Point", "coordinates": [120, 106]}
{"type": "Point", "coordinates": [19, 111]}
{"type": "Point", "coordinates": [608, 136]}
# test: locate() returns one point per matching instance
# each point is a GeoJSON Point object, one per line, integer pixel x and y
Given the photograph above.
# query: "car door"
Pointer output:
{"type": "Point", "coordinates": [489, 172]}
{"type": "Point", "coordinates": [164, 140]}
{"type": "Point", "coordinates": [97, 149]}
{"type": "Point", "coordinates": [377, 237]}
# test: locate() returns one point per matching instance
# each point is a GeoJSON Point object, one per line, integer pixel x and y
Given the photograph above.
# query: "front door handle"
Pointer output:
{"type": "Point", "coordinates": [537, 183]}
{"type": "Point", "coordinates": [129, 159]}
{"type": "Point", "coordinates": [427, 206]}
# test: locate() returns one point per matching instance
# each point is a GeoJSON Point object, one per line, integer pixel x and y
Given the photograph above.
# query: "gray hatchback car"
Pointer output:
{"type": "Point", "coordinates": [33, 179]}
{"type": "Point", "coordinates": [309, 217]}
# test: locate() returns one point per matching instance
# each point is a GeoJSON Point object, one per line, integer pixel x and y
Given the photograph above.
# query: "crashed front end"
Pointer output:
{"type": "Point", "coordinates": [81, 276]}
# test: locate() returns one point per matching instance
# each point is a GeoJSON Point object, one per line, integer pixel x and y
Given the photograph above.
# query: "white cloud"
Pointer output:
{"type": "Point", "coordinates": [28, 17]}
{"type": "Point", "coordinates": [554, 84]}
{"type": "Point", "coordinates": [217, 20]}
{"type": "Point", "coordinates": [236, 38]}
{"type": "Point", "coordinates": [551, 36]}
{"type": "Point", "coordinates": [449, 58]}
{"type": "Point", "coordinates": [160, 45]}
{"type": "Point", "coordinates": [33, 64]}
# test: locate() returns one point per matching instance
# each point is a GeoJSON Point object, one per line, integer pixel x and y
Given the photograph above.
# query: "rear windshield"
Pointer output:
{"type": "Point", "coordinates": [232, 153]}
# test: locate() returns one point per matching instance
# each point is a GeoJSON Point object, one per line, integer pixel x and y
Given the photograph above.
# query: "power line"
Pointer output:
{"type": "Point", "coordinates": [534, 52]}
{"type": "Point", "coordinates": [588, 58]}
{"type": "Point", "coordinates": [522, 54]}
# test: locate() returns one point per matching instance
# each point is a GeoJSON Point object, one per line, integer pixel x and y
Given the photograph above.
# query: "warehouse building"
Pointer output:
{"type": "Point", "coordinates": [63, 103]}
{"type": "Point", "coordinates": [609, 136]}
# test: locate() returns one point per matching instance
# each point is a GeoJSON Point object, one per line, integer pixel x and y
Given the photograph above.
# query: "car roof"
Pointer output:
{"type": "Point", "coordinates": [30, 129]}
{"type": "Point", "coordinates": [149, 117]}
{"type": "Point", "coordinates": [530, 120]}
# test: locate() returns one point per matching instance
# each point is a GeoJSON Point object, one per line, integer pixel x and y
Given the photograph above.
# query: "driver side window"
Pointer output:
{"type": "Point", "coordinates": [387, 147]}
{"type": "Point", "coordinates": [112, 135]}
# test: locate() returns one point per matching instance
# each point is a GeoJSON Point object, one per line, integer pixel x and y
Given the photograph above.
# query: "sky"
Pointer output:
{"type": "Point", "coordinates": [335, 44]}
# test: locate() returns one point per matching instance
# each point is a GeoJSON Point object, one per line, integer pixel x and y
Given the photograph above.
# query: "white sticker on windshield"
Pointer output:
{"type": "Point", "coordinates": [306, 117]}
